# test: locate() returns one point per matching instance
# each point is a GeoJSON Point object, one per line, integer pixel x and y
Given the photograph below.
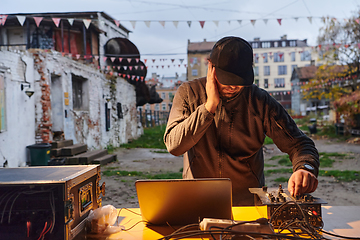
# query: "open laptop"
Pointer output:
{"type": "Point", "coordinates": [184, 201]}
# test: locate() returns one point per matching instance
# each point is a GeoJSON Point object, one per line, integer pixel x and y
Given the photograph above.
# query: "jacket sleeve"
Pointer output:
{"type": "Point", "coordinates": [187, 123]}
{"type": "Point", "coordinates": [282, 129]}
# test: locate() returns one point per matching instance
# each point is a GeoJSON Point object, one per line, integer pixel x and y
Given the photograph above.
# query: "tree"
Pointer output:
{"type": "Point", "coordinates": [339, 43]}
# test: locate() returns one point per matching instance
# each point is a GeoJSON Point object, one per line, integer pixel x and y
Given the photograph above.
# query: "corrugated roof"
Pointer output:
{"type": "Point", "coordinates": [204, 46]}
{"type": "Point", "coordinates": [306, 72]}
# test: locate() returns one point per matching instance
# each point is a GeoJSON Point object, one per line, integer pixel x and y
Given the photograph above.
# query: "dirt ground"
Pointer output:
{"type": "Point", "coordinates": [120, 190]}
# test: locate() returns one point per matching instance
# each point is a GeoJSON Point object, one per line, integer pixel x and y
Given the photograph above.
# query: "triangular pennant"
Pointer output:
{"type": "Point", "coordinates": [162, 23]}
{"type": "Point", "coordinates": [136, 67]}
{"type": "Point", "coordinates": [117, 23]}
{"type": "Point", "coordinates": [310, 19]}
{"type": "Point", "coordinates": [181, 60]}
{"type": "Point", "coordinates": [112, 59]}
{"type": "Point", "coordinates": [147, 23]}
{"type": "Point", "coordinates": [357, 20]}
{"type": "Point", "coordinates": [70, 55]}
{"type": "Point", "coordinates": [253, 21]}
{"type": "Point", "coordinates": [202, 23]}
{"type": "Point", "coordinates": [38, 20]}
{"type": "Point", "coordinates": [120, 59]}
{"type": "Point", "coordinates": [279, 20]}
{"type": "Point", "coordinates": [239, 21]}
{"type": "Point", "coordinates": [130, 67]}
{"type": "Point", "coordinates": [3, 19]}
{"type": "Point", "coordinates": [216, 23]}
{"type": "Point", "coordinates": [87, 22]}
{"type": "Point", "coordinates": [96, 58]}
{"type": "Point", "coordinates": [176, 23]}
{"type": "Point", "coordinates": [153, 60]}
{"type": "Point", "coordinates": [142, 78]}
{"type": "Point", "coordinates": [296, 18]}
{"type": "Point", "coordinates": [129, 60]}
{"type": "Point", "coordinates": [265, 21]}
{"type": "Point", "coordinates": [56, 21]}
{"type": "Point", "coordinates": [21, 19]}
{"type": "Point", "coordinates": [137, 60]}
{"type": "Point", "coordinates": [77, 56]}
{"type": "Point", "coordinates": [141, 67]}
{"type": "Point", "coordinates": [172, 60]}
{"type": "Point", "coordinates": [189, 23]}
{"type": "Point", "coordinates": [133, 23]}
{"type": "Point", "coordinates": [185, 65]}
{"type": "Point", "coordinates": [118, 67]}
{"type": "Point", "coordinates": [125, 67]}
{"type": "Point", "coordinates": [104, 58]}
{"type": "Point", "coordinates": [71, 21]}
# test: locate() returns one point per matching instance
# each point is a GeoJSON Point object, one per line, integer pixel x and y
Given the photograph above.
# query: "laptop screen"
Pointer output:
{"type": "Point", "coordinates": [184, 201]}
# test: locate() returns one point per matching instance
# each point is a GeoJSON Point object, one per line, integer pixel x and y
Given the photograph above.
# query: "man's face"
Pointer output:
{"type": "Point", "coordinates": [228, 91]}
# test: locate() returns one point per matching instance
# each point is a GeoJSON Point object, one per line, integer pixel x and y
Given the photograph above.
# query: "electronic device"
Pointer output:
{"type": "Point", "coordinates": [283, 207]}
{"type": "Point", "coordinates": [184, 201]}
{"type": "Point", "coordinates": [49, 202]}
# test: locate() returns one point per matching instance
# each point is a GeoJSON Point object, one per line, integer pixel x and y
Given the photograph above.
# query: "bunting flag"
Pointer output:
{"type": "Point", "coordinates": [216, 23]}
{"type": "Point", "coordinates": [176, 23]}
{"type": "Point", "coordinates": [112, 59]}
{"type": "Point", "coordinates": [133, 23]}
{"type": "Point", "coordinates": [253, 21]}
{"type": "Point", "coordinates": [310, 19]}
{"type": "Point", "coordinates": [239, 21]}
{"type": "Point", "coordinates": [38, 20]}
{"type": "Point", "coordinates": [3, 19]}
{"type": "Point", "coordinates": [71, 21]}
{"type": "Point", "coordinates": [265, 21]}
{"type": "Point", "coordinates": [21, 19]}
{"type": "Point", "coordinates": [117, 23]}
{"type": "Point", "coordinates": [162, 23]}
{"type": "Point", "coordinates": [189, 23]}
{"type": "Point", "coordinates": [87, 22]}
{"type": "Point", "coordinates": [56, 21]}
{"type": "Point", "coordinates": [279, 21]}
{"type": "Point", "coordinates": [296, 19]}
{"type": "Point", "coordinates": [202, 23]}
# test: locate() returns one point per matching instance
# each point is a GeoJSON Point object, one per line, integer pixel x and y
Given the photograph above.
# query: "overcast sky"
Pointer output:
{"type": "Point", "coordinates": [221, 19]}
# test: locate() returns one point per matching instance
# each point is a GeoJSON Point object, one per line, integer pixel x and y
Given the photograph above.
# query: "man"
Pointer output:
{"type": "Point", "coordinates": [219, 123]}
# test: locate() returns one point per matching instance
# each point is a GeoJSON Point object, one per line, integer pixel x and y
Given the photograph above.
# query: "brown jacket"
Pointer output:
{"type": "Point", "coordinates": [228, 144]}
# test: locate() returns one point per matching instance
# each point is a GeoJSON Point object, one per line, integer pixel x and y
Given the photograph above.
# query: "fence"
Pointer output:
{"type": "Point", "coordinates": [150, 118]}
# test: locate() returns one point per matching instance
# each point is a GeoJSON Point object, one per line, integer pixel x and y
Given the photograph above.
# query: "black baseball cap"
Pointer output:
{"type": "Point", "coordinates": [233, 61]}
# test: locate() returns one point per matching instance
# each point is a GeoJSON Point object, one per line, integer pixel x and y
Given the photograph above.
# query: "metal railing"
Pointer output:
{"type": "Point", "coordinates": [151, 118]}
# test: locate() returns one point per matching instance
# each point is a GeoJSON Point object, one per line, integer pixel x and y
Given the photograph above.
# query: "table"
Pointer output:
{"type": "Point", "coordinates": [341, 220]}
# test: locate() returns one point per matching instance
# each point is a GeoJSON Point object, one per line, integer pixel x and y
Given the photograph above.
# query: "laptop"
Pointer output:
{"type": "Point", "coordinates": [184, 201]}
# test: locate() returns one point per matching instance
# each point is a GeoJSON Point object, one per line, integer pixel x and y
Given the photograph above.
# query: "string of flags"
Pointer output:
{"type": "Point", "coordinates": [87, 22]}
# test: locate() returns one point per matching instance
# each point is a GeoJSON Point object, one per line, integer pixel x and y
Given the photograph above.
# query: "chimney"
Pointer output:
{"type": "Point", "coordinates": [257, 39]}
{"type": "Point", "coordinates": [284, 37]}
{"type": "Point", "coordinates": [204, 39]}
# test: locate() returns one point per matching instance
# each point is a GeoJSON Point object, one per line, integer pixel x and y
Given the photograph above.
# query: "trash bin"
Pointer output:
{"type": "Point", "coordinates": [39, 154]}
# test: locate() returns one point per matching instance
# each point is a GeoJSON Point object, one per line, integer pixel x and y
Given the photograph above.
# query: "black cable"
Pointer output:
{"type": "Point", "coordinates": [339, 236]}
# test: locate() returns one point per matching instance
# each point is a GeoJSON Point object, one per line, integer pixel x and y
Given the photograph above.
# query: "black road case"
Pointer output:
{"type": "Point", "coordinates": [49, 202]}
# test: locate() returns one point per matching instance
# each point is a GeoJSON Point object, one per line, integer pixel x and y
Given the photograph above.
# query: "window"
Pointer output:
{"type": "Point", "coordinates": [147, 106]}
{"type": "Point", "coordinates": [256, 71]}
{"type": "Point", "coordinates": [279, 57]}
{"type": "Point", "coordinates": [265, 57]}
{"type": "Point", "coordinates": [163, 96]}
{"type": "Point", "coordinates": [283, 43]}
{"type": "Point", "coordinates": [293, 67]}
{"type": "Point", "coordinates": [305, 56]}
{"type": "Point", "coordinates": [293, 56]}
{"type": "Point", "coordinates": [194, 72]}
{"type": "Point", "coordinates": [163, 106]}
{"type": "Point", "coordinates": [276, 44]}
{"type": "Point", "coordinates": [292, 43]}
{"type": "Point", "coordinates": [2, 103]}
{"type": "Point", "coordinates": [265, 44]}
{"type": "Point", "coordinates": [282, 70]}
{"type": "Point", "coordinates": [195, 61]}
{"type": "Point", "coordinates": [266, 70]}
{"type": "Point", "coordinates": [255, 45]}
{"type": "Point", "coordinates": [171, 95]}
{"type": "Point", "coordinates": [279, 82]}
{"type": "Point", "coordinates": [119, 111]}
{"type": "Point", "coordinates": [256, 58]}
{"type": "Point", "coordinates": [157, 107]}
{"type": "Point", "coordinates": [266, 83]}
{"type": "Point", "coordinates": [80, 93]}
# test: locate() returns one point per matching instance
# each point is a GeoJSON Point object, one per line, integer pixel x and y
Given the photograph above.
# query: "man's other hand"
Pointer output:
{"type": "Point", "coordinates": [302, 181]}
{"type": "Point", "coordinates": [212, 91]}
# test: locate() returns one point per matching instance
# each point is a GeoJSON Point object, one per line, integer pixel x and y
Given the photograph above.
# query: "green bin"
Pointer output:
{"type": "Point", "coordinates": [39, 154]}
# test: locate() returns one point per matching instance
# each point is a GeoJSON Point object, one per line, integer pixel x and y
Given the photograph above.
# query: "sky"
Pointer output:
{"type": "Point", "coordinates": [164, 45]}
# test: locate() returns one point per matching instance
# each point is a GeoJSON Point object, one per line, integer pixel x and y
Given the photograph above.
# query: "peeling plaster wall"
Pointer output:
{"type": "Point", "coordinates": [25, 117]}
{"type": "Point", "coordinates": [20, 109]}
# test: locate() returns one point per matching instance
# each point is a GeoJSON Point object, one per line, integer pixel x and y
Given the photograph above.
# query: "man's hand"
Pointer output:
{"type": "Point", "coordinates": [302, 181]}
{"type": "Point", "coordinates": [212, 91]}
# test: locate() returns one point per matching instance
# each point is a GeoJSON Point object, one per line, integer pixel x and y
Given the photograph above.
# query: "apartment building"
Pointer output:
{"type": "Point", "coordinates": [274, 62]}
